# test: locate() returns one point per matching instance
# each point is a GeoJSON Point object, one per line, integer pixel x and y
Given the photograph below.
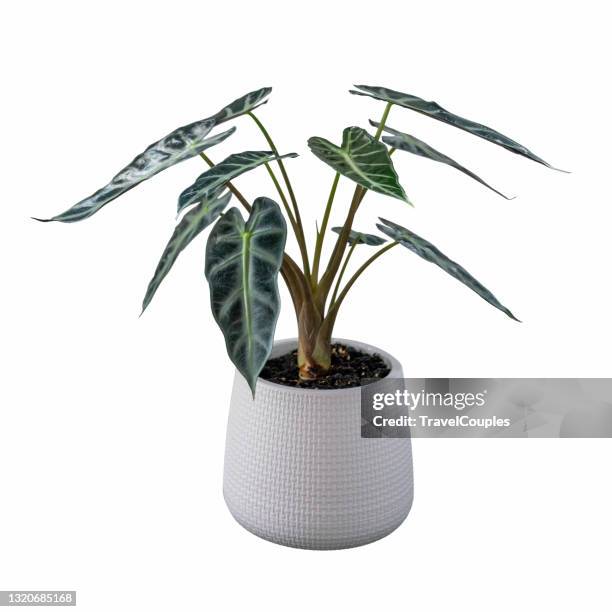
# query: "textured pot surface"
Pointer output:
{"type": "Point", "coordinates": [297, 471]}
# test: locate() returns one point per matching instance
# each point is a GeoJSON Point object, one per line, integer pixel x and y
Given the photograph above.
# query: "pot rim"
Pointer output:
{"type": "Point", "coordinates": [284, 344]}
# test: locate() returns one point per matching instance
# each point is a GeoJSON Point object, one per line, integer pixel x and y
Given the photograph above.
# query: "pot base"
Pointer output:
{"type": "Point", "coordinates": [312, 542]}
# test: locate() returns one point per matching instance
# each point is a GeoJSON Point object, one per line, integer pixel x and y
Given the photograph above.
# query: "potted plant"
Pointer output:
{"type": "Point", "coordinates": [297, 471]}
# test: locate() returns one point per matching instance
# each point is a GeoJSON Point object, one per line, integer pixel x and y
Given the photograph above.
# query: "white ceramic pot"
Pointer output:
{"type": "Point", "coordinates": [297, 471]}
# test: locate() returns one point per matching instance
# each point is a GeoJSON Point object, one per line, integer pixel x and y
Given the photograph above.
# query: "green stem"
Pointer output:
{"type": "Point", "coordinates": [342, 271]}
{"type": "Point", "coordinates": [324, 286]}
{"type": "Point", "coordinates": [282, 196]}
{"type": "Point", "coordinates": [321, 232]}
{"type": "Point", "coordinates": [357, 274]}
{"type": "Point", "coordinates": [296, 211]}
{"type": "Point", "coordinates": [381, 125]}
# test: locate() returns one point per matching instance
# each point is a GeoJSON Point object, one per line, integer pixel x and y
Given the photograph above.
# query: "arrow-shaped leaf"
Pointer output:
{"type": "Point", "coordinates": [242, 264]}
{"type": "Point", "coordinates": [213, 179]}
{"type": "Point", "coordinates": [435, 111]}
{"type": "Point", "coordinates": [174, 148]}
{"type": "Point", "coordinates": [362, 159]}
{"type": "Point", "coordinates": [192, 224]}
{"type": "Point", "coordinates": [361, 238]}
{"type": "Point", "coordinates": [429, 252]}
{"type": "Point", "coordinates": [410, 144]}
{"type": "Point", "coordinates": [179, 145]}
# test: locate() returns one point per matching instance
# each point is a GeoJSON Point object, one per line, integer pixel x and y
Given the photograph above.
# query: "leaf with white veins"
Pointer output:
{"type": "Point", "coordinates": [430, 253]}
{"type": "Point", "coordinates": [193, 223]}
{"type": "Point", "coordinates": [242, 265]}
{"type": "Point", "coordinates": [174, 148]}
{"type": "Point", "coordinates": [362, 159]}
{"type": "Point", "coordinates": [435, 111]}
{"type": "Point", "coordinates": [405, 142]}
{"type": "Point", "coordinates": [223, 172]}
{"type": "Point", "coordinates": [181, 144]}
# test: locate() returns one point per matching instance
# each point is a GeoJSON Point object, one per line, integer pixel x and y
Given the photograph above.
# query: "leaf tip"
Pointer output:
{"type": "Point", "coordinates": [512, 316]}
{"type": "Point", "coordinates": [384, 229]}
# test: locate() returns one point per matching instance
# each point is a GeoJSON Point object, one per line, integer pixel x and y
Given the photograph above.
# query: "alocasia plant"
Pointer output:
{"type": "Point", "coordinates": [244, 258]}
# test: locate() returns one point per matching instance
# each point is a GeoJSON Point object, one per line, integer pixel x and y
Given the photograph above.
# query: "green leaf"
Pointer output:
{"type": "Point", "coordinates": [213, 179]}
{"type": "Point", "coordinates": [192, 224]}
{"type": "Point", "coordinates": [179, 145]}
{"type": "Point", "coordinates": [174, 148]}
{"type": "Point", "coordinates": [435, 111]}
{"type": "Point", "coordinates": [242, 264]}
{"type": "Point", "coordinates": [362, 159]}
{"type": "Point", "coordinates": [429, 252]}
{"type": "Point", "coordinates": [410, 144]}
{"type": "Point", "coordinates": [361, 238]}
{"type": "Point", "coordinates": [243, 105]}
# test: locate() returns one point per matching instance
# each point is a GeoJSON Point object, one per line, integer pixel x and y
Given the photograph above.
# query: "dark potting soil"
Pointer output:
{"type": "Point", "coordinates": [348, 368]}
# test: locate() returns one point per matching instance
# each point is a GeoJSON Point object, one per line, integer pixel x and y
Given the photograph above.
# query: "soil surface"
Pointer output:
{"type": "Point", "coordinates": [348, 368]}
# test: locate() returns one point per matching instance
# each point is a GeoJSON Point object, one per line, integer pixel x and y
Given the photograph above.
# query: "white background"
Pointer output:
{"type": "Point", "coordinates": [112, 428]}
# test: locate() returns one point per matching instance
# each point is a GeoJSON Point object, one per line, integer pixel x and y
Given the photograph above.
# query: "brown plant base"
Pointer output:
{"type": "Point", "coordinates": [348, 368]}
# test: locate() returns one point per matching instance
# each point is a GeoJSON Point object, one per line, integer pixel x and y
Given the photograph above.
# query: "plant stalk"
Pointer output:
{"type": "Point", "coordinates": [320, 345]}
{"type": "Point", "coordinates": [282, 197]}
{"type": "Point", "coordinates": [342, 271]}
{"type": "Point", "coordinates": [323, 229]}
{"type": "Point", "coordinates": [381, 125]}
{"type": "Point", "coordinates": [324, 286]}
